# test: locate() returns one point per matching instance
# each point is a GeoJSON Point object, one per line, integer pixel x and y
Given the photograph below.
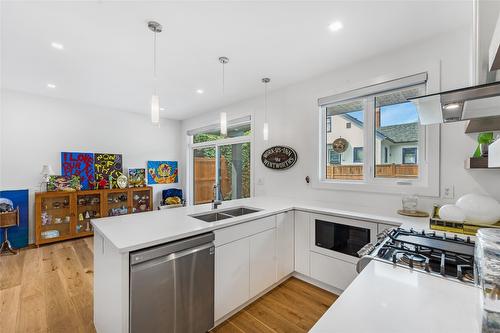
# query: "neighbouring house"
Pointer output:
{"type": "Point", "coordinates": [395, 144]}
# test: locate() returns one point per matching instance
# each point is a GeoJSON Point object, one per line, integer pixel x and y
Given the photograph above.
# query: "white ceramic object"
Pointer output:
{"type": "Point", "coordinates": [452, 213]}
{"type": "Point", "coordinates": [479, 208]}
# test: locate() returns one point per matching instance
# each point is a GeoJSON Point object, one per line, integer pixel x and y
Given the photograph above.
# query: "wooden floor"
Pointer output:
{"type": "Point", "coordinates": [293, 306]}
{"type": "Point", "coordinates": [49, 289]}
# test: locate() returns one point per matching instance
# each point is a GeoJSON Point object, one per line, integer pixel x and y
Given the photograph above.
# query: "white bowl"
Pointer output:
{"type": "Point", "coordinates": [452, 213]}
{"type": "Point", "coordinates": [479, 208]}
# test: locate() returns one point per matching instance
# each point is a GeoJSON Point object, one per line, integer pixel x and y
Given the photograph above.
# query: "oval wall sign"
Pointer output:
{"type": "Point", "coordinates": [279, 157]}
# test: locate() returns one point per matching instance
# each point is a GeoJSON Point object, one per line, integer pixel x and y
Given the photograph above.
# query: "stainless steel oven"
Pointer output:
{"type": "Point", "coordinates": [339, 237]}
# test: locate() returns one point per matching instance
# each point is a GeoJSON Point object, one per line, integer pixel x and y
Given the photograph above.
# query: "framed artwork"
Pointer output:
{"type": "Point", "coordinates": [108, 166]}
{"type": "Point", "coordinates": [81, 165]}
{"type": "Point", "coordinates": [162, 172]}
{"type": "Point", "coordinates": [63, 183]}
{"type": "Point", "coordinates": [137, 177]}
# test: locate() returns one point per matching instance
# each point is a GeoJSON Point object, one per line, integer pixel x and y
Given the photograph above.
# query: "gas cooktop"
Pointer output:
{"type": "Point", "coordinates": [450, 257]}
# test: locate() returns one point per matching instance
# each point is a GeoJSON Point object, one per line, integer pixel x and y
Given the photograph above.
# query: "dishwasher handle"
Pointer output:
{"type": "Point", "coordinates": [139, 260]}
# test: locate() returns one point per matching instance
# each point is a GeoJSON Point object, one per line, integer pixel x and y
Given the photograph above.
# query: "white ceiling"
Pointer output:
{"type": "Point", "coordinates": [107, 56]}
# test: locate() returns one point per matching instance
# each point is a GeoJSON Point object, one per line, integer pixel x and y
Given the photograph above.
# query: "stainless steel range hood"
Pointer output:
{"type": "Point", "coordinates": [461, 104]}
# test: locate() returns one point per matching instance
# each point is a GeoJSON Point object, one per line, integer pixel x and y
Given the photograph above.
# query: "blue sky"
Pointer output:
{"type": "Point", "coordinates": [403, 113]}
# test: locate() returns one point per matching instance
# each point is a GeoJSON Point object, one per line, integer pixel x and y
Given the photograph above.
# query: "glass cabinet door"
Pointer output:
{"type": "Point", "coordinates": [56, 216]}
{"type": "Point", "coordinates": [88, 206]}
{"type": "Point", "coordinates": [141, 201]}
{"type": "Point", "coordinates": [117, 203]}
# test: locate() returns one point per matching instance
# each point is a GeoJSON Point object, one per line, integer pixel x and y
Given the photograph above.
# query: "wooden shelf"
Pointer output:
{"type": "Point", "coordinates": [487, 124]}
{"type": "Point", "coordinates": [478, 163]}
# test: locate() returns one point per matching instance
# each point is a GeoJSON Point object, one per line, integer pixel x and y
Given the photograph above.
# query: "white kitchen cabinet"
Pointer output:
{"type": "Point", "coordinates": [334, 272]}
{"type": "Point", "coordinates": [232, 274]}
{"type": "Point", "coordinates": [302, 250]}
{"type": "Point", "coordinates": [262, 261]}
{"type": "Point", "coordinates": [285, 244]}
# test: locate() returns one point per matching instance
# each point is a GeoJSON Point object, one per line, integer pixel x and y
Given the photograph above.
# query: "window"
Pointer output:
{"type": "Point", "coordinates": [409, 155]}
{"type": "Point", "coordinates": [385, 146]}
{"type": "Point", "coordinates": [328, 124]}
{"type": "Point", "coordinates": [220, 160]}
{"type": "Point", "coordinates": [334, 158]}
{"type": "Point", "coordinates": [357, 155]}
{"type": "Point", "coordinates": [342, 139]}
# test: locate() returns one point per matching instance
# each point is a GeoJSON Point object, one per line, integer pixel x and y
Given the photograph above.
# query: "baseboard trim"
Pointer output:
{"type": "Point", "coordinates": [317, 283]}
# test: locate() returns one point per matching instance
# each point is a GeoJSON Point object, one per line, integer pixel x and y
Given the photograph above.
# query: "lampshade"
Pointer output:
{"type": "Point", "coordinates": [47, 170]}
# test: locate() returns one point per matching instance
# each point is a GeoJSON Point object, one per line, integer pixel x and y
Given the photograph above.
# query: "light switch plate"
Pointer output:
{"type": "Point", "coordinates": [449, 192]}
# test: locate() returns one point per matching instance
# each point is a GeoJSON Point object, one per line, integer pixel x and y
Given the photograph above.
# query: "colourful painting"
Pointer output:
{"type": "Point", "coordinates": [137, 177]}
{"type": "Point", "coordinates": [108, 166]}
{"type": "Point", "coordinates": [162, 172]}
{"type": "Point", "coordinates": [81, 165]}
{"type": "Point", "coordinates": [18, 236]}
{"type": "Point", "coordinates": [63, 183]}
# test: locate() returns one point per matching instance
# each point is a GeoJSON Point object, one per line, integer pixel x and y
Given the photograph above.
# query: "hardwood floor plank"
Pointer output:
{"type": "Point", "coordinates": [78, 285]}
{"type": "Point", "coordinates": [85, 256]}
{"type": "Point", "coordinates": [11, 270]}
{"type": "Point", "coordinates": [9, 308]}
{"type": "Point", "coordinates": [32, 315]}
{"type": "Point", "coordinates": [249, 324]}
{"type": "Point", "coordinates": [226, 327]}
{"type": "Point", "coordinates": [272, 319]}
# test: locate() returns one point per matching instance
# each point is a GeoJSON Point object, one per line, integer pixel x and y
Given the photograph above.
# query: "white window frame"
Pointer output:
{"type": "Point", "coordinates": [216, 144]}
{"type": "Point", "coordinates": [427, 183]}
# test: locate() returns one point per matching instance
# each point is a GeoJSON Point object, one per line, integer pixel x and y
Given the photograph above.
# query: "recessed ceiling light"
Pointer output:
{"type": "Point", "coordinates": [335, 26]}
{"type": "Point", "coordinates": [51, 85]}
{"type": "Point", "coordinates": [162, 109]}
{"type": "Point", "coordinates": [199, 91]}
{"type": "Point", "coordinates": [58, 46]}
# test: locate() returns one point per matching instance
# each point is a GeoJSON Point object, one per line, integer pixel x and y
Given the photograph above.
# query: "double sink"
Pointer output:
{"type": "Point", "coordinates": [223, 214]}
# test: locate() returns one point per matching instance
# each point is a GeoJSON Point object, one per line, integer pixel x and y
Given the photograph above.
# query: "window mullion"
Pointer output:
{"type": "Point", "coordinates": [369, 139]}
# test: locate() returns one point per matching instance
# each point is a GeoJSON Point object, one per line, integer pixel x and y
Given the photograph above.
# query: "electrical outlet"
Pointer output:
{"type": "Point", "coordinates": [449, 192]}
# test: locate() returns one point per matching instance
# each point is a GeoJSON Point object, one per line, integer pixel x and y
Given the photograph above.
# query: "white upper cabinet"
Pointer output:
{"type": "Point", "coordinates": [285, 244]}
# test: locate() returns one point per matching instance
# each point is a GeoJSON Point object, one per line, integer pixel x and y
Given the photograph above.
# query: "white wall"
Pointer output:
{"type": "Point", "coordinates": [292, 122]}
{"type": "Point", "coordinates": [35, 130]}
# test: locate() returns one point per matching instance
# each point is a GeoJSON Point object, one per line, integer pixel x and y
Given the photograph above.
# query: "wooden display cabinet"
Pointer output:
{"type": "Point", "coordinates": [66, 215]}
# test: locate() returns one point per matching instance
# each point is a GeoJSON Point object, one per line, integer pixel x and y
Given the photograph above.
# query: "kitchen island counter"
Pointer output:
{"type": "Point", "coordinates": [137, 231]}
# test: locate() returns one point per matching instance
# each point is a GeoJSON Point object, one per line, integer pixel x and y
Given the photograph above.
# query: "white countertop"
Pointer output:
{"type": "Point", "coordinates": [389, 299]}
{"type": "Point", "coordinates": [381, 299]}
{"type": "Point", "coordinates": [136, 231]}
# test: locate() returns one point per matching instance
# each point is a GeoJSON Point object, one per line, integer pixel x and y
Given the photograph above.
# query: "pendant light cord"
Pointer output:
{"type": "Point", "coordinates": [223, 79]}
{"type": "Point", "coordinates": [265, 102]}
{"type": "Point", "coordinates": [154, 56]}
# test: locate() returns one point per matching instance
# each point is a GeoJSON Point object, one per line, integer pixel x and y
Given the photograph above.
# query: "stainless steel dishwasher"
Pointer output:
{"type": "Point", "coordinates": [172, 287]}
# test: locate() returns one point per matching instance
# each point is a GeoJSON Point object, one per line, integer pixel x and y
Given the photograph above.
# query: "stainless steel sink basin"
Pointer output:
{"type": "Point", "coordinates": [223, 214]}
{"type": "Point", "coordinates": [238, 211]}
{"type": "Point", "coordinates": [212, 217]}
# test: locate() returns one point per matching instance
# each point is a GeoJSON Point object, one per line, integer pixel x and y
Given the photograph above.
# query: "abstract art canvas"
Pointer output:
{"type": "Point", "coordinates": [162, 172]}
{"type": "Point", "coordinates": [137, 177]}
{"type": "Point", "coordinates": [79, 164]}
{"type": "Point", "coordinates": [108, 166]}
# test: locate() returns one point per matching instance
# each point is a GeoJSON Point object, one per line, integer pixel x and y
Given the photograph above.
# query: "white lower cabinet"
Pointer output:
{"type": "Point", "coordinates": [262, 261]}
{"type": "Point", "coordinates": [285, 244]}
{"type": "Point", "coordinates": [232, 274]}
{"type": "Point", "coordinates": [337, 273]}
{"type": "Point", "coordinates": [302, 250]}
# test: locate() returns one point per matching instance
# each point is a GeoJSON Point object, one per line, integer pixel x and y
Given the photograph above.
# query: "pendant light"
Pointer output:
{"type": "Point", "coordinates": [156, 28]}
{"type": "Point", "coordinates": [265, 129]}
{"type": "Point", "coordinates": [223, 115]}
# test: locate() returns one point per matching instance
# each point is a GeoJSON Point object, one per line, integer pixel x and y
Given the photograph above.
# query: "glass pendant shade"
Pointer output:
{"type": "Point", "coordinates": [265, 131]}
{"type": "Point", "coordinates": [155, 109]}
{"type": "Point", "coordinates": [223, 123]}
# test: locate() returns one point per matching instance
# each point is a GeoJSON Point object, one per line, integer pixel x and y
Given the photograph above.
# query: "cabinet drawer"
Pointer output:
{"type": "Point", "coordinates": [232, 233]}
{"type": "Point", "coordinates": [335, 272]}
